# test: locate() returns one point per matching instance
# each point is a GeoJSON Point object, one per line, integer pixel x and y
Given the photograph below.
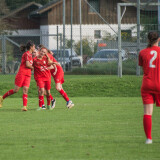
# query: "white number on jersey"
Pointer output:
{"type": "Point", "coordinates": [151, 65]}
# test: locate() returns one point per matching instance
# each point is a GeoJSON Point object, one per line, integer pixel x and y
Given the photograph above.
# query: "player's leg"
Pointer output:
{"type": "Point", "coordinates": [43, 105]}
{"type": "Point", "coordinates": [40, 84]}
{"type": "Point", "coordinates": [48, 99]}
{"type": "Point", "coordinates": [25, 85]}
{"type": "Point", "coordinates": [147, 122]}
{"type": "Point", "coordinates": [53, 101]}
{"type": "Point", "coordinates": [47, 88]}
{"type": "Point", "coordinates": [25, 98]}
{"type": "Point", "coordinates": [148, 101]}
{"type": "Point", "coordinates": [8, 93]}
{"type": "Point", "coordinates": [64, 95]}
{"type": "Point", "coordinates": [41, 99]}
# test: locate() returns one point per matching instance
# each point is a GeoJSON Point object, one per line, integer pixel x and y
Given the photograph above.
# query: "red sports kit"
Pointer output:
{"type": "Point", "coordinates": [59, 76]}
{"type": "Point", "coordinates": [23, 76]}
{"type": "Point", "coordinates": [149, 59]}
{"type": "Point", "coordinates": [41, 73]}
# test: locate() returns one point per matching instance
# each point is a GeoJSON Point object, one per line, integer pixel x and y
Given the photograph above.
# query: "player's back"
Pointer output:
{"type": "Point", "coordinates": [27, 56]}
{"type": "Point", "coordinates": [149, 59]}
{"type": "Point", "coordinates": [59, 68]}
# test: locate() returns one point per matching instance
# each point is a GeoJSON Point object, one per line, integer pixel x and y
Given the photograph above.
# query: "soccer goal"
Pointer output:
{"type": "Point", "coordinates": [133, 38]}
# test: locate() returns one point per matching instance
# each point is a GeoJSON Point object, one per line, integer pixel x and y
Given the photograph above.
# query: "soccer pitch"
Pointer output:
{"type": "Point", "coordinates": [97, 128]}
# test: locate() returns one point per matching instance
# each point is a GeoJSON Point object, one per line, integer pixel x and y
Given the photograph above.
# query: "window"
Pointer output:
{"type": "Point", "coordinates": [106, 54]}
{"type": "Point", "coordinates": [95, 4]}
{"type": "Point", "coordinates": [97, 34]}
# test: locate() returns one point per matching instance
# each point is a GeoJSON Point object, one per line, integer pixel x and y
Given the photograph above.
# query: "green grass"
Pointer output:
{"type": "Point", "coordinates": [97, 128]}
{"type": "Point", "coordinates": [84, 86]}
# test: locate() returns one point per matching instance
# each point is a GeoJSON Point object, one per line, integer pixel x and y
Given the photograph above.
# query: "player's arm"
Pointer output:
{"type": "Point", "coordinates": [56, 63]}
{"type": "Point", "coordinates": [53, 63]}
{"type": "Point", "coordinates": [28, 65]}
{"type": "Point", "coordinates": [50, 67]}
{"type": "Point", "coordinates": [53, 67]}
{"type": "Point", "coordinates": [50, 52]}
{"type": "Point", "coordinates": [50, 62]}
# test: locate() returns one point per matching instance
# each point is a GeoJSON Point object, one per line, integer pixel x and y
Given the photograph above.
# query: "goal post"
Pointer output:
{"type": "Point", "coordinates": [119, 17]}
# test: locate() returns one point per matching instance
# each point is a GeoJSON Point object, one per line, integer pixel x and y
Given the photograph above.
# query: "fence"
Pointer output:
{"type": "Point", "coordinates": [10, 49]}
{"type": "Point", "coordinates": [93, 34]}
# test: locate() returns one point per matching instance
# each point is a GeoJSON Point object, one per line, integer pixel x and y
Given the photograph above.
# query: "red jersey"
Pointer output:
{"type": "Point", "coordinates": [149, 59]}
{"type": "Point", "coordinates": [27, 56]}
{"type": "Point", "coordinates": [40, 69]}
{"type": "Point", "coordinates": [59, 68]}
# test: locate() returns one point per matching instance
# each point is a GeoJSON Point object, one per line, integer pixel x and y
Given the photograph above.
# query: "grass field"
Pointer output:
{"type": "Point", "coordinates": [95, 129]}
{"type": "Point", "coordinates": [84, 86]}
{"type": "Point", "coordinates": [105, 124]}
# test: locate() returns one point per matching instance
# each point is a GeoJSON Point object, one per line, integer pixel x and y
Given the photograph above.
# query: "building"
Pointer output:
{"type": "Point", "coordinates": [34, 18]}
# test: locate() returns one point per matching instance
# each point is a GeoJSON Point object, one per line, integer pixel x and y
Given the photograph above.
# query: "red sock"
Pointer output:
{"type": "Point", "coordinates": [25, 100]}
{"type": "Point", "coordinates": [10, 92]}
{"type": "Point", "coordinates": [147, 124]}
{"type": "Point", "coordinates": [64, 94]}
{"type": "Point", "coordinates": [51, 97]}
{"type": "Point", "coordinates": [48, 100]}
{"type": "Point", "coordinates": [41, 101]}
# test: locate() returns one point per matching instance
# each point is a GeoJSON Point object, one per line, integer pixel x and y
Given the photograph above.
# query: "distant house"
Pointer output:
{"type": "Point", "coordinates": [20, 21]}
{"type": "Point", "coordinates": [93, 27]}
{"type": "Point", "coordinates": [35, 19]}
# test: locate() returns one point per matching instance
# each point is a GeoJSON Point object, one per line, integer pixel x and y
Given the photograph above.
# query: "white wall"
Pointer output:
{"type": "Point", "coordinates": [26, 32]}
{"type": "Point", "coordinates": [45, 39]}
{"type": "Point", "coordinates": [87, 32]}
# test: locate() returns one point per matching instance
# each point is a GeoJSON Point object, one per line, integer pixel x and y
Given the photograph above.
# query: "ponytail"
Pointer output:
{"type": "Point", "coordinates": [152, 38]}
{"type": "Point", "coordinates": [22, 48]}
{"type": "Point", "coordinates": [27, 47]}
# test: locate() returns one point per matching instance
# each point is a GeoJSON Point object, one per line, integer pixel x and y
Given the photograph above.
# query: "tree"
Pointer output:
{"type": "Point", "coordinates": [69, 43]}
{"type": "Point", "coordinates": [4, 10]}
{"type": "Point", "coordinates": [108, 37]}
{"type": "Point", "coordinates": [88, 47]}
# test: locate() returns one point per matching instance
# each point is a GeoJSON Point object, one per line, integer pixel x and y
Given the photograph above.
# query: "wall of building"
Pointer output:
{"type": "Point", "coordinates": [88, 32]}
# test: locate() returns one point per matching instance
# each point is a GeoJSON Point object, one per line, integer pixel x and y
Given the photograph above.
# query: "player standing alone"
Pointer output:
{"type": "Point", "coordinates": [23, 76]}
{"type": "Point", "coordinates": [149, 59]}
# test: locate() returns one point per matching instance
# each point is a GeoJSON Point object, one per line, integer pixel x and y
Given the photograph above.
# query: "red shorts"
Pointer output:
{"type": "Point", "coordinates": [151, 98]}
{"type": "Point", "coordinates": [22, 80]}
{"type": "Point", "coordinates": [58, 78]}
{"type": "Point", "coordinates": [44, 84]}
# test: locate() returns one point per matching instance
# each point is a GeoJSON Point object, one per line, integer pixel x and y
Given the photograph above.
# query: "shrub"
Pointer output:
{"type": "Point", "coordinates": [109, 68]}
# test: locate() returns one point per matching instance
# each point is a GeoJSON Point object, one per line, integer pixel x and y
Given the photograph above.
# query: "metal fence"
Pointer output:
{"type": "Point", "coordinates": [133, 39]}
{"type": "Point", "coordinates": [10, 56]}
{"type": "Point", "coordinates": [92, 44]}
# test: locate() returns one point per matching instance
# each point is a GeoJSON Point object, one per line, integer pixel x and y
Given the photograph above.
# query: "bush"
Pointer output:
{"type": "Point", "coordinates": [110, 68]}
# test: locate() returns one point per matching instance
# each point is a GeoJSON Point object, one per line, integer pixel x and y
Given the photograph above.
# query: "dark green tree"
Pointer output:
{"type": "Point", "coordinates": [149, 22]}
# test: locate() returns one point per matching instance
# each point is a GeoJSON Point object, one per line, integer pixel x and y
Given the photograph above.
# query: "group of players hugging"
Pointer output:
{"type": "Point", "coordinates": [41, 60]}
